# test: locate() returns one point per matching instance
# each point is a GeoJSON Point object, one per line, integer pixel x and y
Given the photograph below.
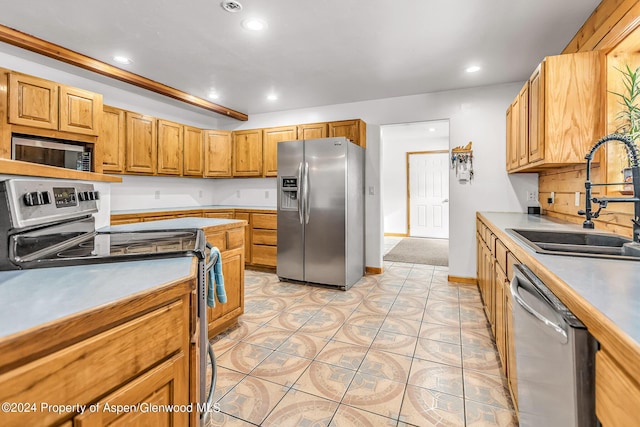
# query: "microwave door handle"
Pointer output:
{"type": "Point", "coordinates": [299, 194]}
{"type": "Point", "coordinates": [515, 285]}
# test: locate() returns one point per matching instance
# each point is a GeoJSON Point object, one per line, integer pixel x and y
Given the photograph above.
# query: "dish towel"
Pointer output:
{"type": "Point", "coordinates": [215, 276]}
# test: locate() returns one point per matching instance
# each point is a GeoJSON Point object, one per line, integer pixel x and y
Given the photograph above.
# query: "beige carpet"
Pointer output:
{"type": "Point", "coordinates": [419, 250]}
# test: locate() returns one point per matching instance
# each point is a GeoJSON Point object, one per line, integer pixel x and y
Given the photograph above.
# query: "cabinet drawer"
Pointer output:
{"type": "Point", "coordinates": [265, 237]}
{"type": "Point", "coordinates": [510, 261]}
{"type": "Point", "coordinates": [235, 238]}
{"type": "Point", "coordinates": [501, 255]}
{"type": "Point", "coordinates": [268, 221]}
{"type": "Point", "coordinates": [224, 215]}
{"type": "Point", "coordinates": [83, 372]}
{"type": "Point", "coordinates": [264, 255]}
{"type": "Point", "coordinates": [218, 239]}
{"type": "Point", "coordinates": [617, 394]}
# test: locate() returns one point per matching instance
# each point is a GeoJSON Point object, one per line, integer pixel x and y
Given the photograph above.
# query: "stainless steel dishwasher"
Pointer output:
{"type": "Point", "coordinates": [554, 357]}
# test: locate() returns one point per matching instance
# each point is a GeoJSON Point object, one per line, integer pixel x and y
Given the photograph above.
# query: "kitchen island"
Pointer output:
{"type": "Point", "coordinates": [117, 333]}
{"type": "Point", "coordinates": [603, 293]}
{"type": "Point", "coordinates": [99, 334]}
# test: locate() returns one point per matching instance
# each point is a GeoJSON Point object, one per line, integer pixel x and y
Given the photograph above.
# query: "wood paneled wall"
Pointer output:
{"type": "Point", "coordinates": [613, 27]}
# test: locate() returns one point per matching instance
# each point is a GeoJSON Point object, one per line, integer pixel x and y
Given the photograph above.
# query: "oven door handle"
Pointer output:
{"type": "Point", "coordinates": [212, 260]}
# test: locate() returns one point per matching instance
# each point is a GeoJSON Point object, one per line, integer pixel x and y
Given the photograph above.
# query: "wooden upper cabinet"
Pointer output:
{"type": "Point", "coordinates": [312, 131]}
{"type": "Point", "coordinates": [33, 101]}
{"type": "Point", "coordinates": [112, 139]}
{"type": "Point", "coordinates": [247, 153]}
{"type": "Point", "coordinates": [44, 104]}
{"type": "Point", "coordinates": [170, 145]}
{"type": "Point", "coordinates": [564, 111]}
{"type": "Point", "coordinates": [271, 137]}
{"type": "Point", "coordinates": [354, 130]}
{"type": "Point", "coordinates": [536, 115]}
{"type": "Point", "coordinates": [217, 153]}
{"type": "Point", "coordinates": [512, 142]}
{"type": "Point", "coordinates": [193, 152]}
{"type": "Point", "coordinates": [80, 110]}
{"type": "Point", "coordinates": [523, 126]}
{"type": "Point", "coordinates": [140, 143]}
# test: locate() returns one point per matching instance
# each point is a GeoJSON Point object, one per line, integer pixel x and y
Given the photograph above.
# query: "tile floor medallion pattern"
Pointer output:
{"type": "Point", "coordinates": [403, 348]}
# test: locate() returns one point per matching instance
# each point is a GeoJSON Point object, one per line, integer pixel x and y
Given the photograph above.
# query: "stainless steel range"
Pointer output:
{"type": "Point", "coordinates": [50, 223]}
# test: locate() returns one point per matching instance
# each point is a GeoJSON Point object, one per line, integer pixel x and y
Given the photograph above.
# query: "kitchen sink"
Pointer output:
{"type": "Point", "coordinates": [579, 243]}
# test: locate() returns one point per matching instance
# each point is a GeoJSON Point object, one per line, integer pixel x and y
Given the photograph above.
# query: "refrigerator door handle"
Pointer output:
{"type": "Point", "coordinates": [307, 206]}
{"type": "Point", "coordinates": [299, 194]}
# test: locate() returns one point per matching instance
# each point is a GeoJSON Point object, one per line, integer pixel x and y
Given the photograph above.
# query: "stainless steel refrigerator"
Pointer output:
{"type": "Point", "coordinates": [321, 211]}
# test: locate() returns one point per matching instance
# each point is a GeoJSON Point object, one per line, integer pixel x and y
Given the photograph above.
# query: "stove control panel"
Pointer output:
{"type": "Point", "coordinates": [42, 201]}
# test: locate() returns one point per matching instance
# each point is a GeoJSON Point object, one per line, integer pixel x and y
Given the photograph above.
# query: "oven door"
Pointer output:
{"type": "Point", "coordinates": [205, 348]}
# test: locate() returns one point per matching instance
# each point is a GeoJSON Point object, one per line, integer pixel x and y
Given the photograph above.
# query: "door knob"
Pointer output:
{"type": "Point", "coordinates": [445, 201]}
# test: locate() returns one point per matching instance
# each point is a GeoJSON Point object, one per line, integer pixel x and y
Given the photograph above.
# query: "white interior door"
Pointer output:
{"type": "Point", "coordinates": [429, 195]}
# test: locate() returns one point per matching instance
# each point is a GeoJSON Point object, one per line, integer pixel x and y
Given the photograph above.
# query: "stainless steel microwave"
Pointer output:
{"type": "Point", "coordinates": [59, 153]}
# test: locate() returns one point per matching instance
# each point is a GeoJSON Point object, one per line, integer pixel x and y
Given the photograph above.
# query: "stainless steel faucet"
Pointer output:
{"type": "Point", "coordinates": [633, 155]}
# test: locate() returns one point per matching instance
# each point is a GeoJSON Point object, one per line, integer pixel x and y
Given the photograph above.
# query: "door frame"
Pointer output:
{"type": "Point", "coordinates": [408, 155]}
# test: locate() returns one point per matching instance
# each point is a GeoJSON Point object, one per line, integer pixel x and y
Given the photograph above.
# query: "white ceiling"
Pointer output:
{"type": "Point", "coordinates": [314, 52]}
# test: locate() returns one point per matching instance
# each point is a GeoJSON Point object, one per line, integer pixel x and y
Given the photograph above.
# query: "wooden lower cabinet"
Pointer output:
{"type": "Point", "coordinates": [231, 245]}
{"type": "Point", "coordinates": [142, 358]}
{"type": "Point", "coordinates": [493, 282]}
{"type": "Point", "coordinates": [264, 249]}
{"type": "Point", "coordinates": [617, 392]}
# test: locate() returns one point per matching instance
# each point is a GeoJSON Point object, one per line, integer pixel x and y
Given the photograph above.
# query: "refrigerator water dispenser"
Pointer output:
{"type": "Point", "coordinates": [289, 193]}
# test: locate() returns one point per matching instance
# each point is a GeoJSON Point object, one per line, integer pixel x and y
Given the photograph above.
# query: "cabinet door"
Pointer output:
{"type": "Point", "coordinates": [508, 138]}
{"type": "Point", "coordinates": [515, 123]}
{"type": "Point", "coordinates": [233, 270]}
{"type": "Point", "coordinates": [193, 149]}
{"type": "Point", "coordinates": [536, 115]}
{"type": "Point", "coordinates": [170, 144]}
{"type": "Point", "coordinates": [247, 153]}
{"type": "Point", "coordinates": [112, 139]}
{"type": "Point", "coordinates": [523, 126]}
{"type": "Point", "coordinates": [217, 153]}
{"type": "Point", "coordinates": [247, 235]}
{"type": "Point", "coordinates": [312, 131]}
{"type": "Point", "coordinates": [353, 130]}
{"type": "Point", "coordinates": [500, 280]}
{"type": "Point", "coordinates": [167, 384]}
{"type": "Point", "coordinates": [270, 138]}
{"type": "Point", "coordinates": [33, 102]}
{"type": "Point", "coordinates": [141, 144]}
{"type": "Point", "coordinates": [80, 110]}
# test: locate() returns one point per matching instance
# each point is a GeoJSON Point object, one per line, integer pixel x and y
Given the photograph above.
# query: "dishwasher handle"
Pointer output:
{"type": "Point", "coordinates": [520, 281]}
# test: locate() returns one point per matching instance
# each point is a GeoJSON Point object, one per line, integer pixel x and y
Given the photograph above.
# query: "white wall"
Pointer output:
{"type": "Point", "coordinates": [396, 142]}
{"type": "Point", "coordinates": [476, 114]}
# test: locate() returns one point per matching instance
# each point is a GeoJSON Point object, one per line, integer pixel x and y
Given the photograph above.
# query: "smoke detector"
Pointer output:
{"type": "Point", "coordinates": [231, 6]}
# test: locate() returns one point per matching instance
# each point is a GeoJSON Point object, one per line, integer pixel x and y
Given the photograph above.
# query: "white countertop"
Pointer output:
{"type": "Point", "coordinates": [30, 298]}
{"type": "Point", "coordinates": [610, 286]}
{"type": "Point", "coordinates": [171, 224]}
{"type": "Point", "coordinates": [191, 208]}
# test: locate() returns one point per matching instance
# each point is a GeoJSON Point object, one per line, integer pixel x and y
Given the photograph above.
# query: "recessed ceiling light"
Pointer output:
{"type": "Point", "coordinates": [213, 95]}
{"type": "Point", "coordinates": [231, 6]}
{"type": "Point", "coordinates": [272, 97]}
{"type": "Point", "coordinates": [122, 60]}
{"type": "Point", "coordinates": [432, 129]}
{"type": "Point", "coordinates": [472, 69]}
{"type": "Point", "coordinates": [254, 24]}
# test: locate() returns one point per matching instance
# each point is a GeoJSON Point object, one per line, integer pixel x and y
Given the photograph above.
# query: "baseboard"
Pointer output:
{"type": "Point", "coordinates": [373, 270]}
{"type": "Point", "coordinates": [465, 280]}
{"type": "Point", "coordinates": [396, 234]}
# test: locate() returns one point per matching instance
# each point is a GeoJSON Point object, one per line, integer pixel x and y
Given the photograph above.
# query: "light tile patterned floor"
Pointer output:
{"type": "Point", "coordinates": [404, 348]}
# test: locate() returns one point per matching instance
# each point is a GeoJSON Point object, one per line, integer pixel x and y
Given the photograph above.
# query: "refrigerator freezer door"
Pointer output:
{"type": "Point", "coordinates": [325, 233]}
{"type": "Point", "coordinates": [290, 225]}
